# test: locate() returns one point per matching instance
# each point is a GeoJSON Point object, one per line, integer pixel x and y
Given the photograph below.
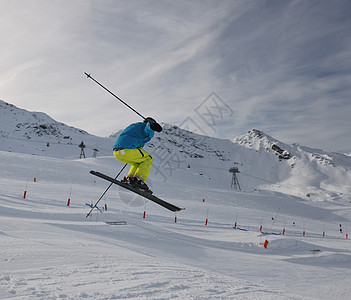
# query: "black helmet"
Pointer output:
{"type": "Point", "coordinates": [149, 120]}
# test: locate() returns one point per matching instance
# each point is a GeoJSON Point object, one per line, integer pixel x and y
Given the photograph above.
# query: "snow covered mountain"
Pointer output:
{"type": "Point", "coordinates": [263, 162]}
{"type": "Point", "coordinates": [36, 133]}
{"type": "Point", "coordinates": [301, 170]}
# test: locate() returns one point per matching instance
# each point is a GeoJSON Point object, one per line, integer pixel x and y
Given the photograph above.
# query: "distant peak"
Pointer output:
{"type": "Point", "coordinates": [255, 133]}
{"type": "Point", "coordinates": [259, 141]}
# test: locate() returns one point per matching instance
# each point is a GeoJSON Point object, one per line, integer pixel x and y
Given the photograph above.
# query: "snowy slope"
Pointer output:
{"type": "Point", "coordinates": [51, 251]}
{"type": "Point", "coordinates": [314, 173]}
{"type": "Point", "coordinates": [36, 133]}
{"type": "Point", "coordinates": [263, 162]}
{"type": "Point", "coordinates": [301, 171]}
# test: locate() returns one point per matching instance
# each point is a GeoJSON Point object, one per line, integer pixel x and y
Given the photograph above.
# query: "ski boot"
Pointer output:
{"type": "Point", "coordinates": [140, 184]}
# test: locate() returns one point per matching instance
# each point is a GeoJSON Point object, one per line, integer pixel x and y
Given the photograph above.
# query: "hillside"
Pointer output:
{"type": "Point", "coordinates": [36, 133]}
{"type": "Point", "coordinates": [264, 162]}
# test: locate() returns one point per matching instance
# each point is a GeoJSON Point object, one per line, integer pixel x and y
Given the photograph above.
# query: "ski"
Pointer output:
{"type": "Point", "coordinates": [151, 197]}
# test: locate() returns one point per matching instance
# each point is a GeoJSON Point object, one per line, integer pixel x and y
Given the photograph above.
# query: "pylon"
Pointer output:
{"type": "Point", "coordinates": [265, 244]}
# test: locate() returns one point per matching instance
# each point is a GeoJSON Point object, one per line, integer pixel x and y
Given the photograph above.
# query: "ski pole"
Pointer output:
{"type": "Point", "coordinates": [105, 192]}
{"type": "Point", "coordinates": [89, 76]}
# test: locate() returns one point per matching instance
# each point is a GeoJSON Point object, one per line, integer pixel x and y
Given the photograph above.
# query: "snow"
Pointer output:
{"type": "Point", "coordinates": [52, 251]}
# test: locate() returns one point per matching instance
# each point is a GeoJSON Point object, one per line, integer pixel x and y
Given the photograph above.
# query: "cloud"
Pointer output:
{"type": "Point", "coordinates": [11, 74]}
{"type": "Point", "coordinates": [289, 70]}
{"type": "Point", "coordinates": [282, 66]}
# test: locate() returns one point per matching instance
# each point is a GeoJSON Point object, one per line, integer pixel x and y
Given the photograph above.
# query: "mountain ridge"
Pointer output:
{"type": "Point", "coordinates": [263, 161]}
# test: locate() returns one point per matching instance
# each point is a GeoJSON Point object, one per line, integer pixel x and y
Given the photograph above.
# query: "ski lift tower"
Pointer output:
{"type": "Point", "coordinates": [82, 146]}
{"type": "Point", "coordinates": [235, 181]}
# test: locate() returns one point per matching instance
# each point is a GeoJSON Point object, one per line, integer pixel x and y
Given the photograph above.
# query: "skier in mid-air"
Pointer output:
{"type": "Point", "coordinates": [128, 149]}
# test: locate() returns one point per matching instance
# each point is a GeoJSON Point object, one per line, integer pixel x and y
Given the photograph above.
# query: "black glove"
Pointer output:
{"type": "Point", "coordinates": [156, 127]}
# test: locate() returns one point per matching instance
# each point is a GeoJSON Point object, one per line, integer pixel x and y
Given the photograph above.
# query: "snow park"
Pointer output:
{"type": "Point", "coordinates": [260, 219]}
{"type": "Point", "coordinates": [175, 149]}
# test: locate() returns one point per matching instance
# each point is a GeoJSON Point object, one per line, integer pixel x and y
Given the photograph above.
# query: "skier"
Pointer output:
{"type": "Point", "coordinates": [128, 148]}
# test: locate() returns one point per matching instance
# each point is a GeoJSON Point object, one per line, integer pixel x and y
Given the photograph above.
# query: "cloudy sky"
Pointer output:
{"type": "Point", "coordinates": [216, 67]}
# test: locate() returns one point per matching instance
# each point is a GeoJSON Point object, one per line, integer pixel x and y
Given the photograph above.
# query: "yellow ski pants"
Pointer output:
{"type": "Point", "coordinates": [139, 159]}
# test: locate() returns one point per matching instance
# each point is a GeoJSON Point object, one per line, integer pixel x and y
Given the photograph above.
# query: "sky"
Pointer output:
{"type": "Point", "coordinates": [220, 68]}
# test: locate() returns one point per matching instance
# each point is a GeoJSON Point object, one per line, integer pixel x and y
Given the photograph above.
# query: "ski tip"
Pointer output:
{"type": "Point", "coordinates": [88, 75]}
{"type": "Point", "coordinates": [178, 209]}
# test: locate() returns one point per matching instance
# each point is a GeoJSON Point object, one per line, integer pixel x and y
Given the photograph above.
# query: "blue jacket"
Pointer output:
{"type": "Point", "coordinates": [134, 136]}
